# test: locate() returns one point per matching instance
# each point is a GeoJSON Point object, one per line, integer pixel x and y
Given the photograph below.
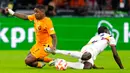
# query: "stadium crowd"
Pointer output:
{"type": "Point", "coordinates": [72, 7]}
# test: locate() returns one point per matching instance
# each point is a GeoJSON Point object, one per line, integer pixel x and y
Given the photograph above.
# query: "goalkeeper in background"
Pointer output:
{"type": "Point", "coordinates": [45, 36]}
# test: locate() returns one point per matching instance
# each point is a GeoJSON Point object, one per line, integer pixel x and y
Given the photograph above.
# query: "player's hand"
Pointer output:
{"type": "Point", "coordinates": [10, 11]}
{"type": "Point", "coordinates": [50, 50]}
{"type": "Point", "coordinates": [122, 67]}
{"type": "Point", "coordinates": [53, 50]}
{"type": "Point", "coordinates": [6, 10]}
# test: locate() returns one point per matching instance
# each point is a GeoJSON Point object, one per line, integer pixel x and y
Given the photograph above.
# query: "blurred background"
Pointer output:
{"type": "Point", "coordinates": [107, 8]}
{"type": "Point", "coordinates": [75, 22]}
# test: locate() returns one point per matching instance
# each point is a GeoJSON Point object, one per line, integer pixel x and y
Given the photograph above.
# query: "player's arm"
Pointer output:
{"type": "Point", "coordinates": [112, 43]}
{"type": "Point", "coordinates": [116, 57]}
{"type": "Point", "coordinates": [52, 33]}
{"type": "Point", "coordinates": [22, 16]}
{"type": "Point", "coordinates": [54, 41]}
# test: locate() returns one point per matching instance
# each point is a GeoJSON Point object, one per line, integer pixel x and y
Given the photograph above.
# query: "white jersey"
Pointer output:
{"type": "Point", "coordinates": [98, 43]}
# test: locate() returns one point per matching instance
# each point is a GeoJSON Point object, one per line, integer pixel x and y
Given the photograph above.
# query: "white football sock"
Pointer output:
{"type": "Point", "coordinates": [76, 54]}
{"type": "Point", "coordinates": [75, 65]}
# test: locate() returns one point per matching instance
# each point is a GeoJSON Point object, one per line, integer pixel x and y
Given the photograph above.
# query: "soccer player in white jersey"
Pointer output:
{"type": "Point", "coordinates": [89, 52]}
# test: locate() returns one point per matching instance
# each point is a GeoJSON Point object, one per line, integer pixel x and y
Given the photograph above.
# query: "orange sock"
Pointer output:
{"type": "Point", "coordinates": [47, 59]}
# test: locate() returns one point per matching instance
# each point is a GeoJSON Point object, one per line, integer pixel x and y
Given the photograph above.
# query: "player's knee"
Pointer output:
{"type": "Point", "coordinates": [30, 59]}
{"type": "Point", "coordinates": [86, 56]}
{"type": "Point", "coordinates": [28, 62]}
{"type": "Point", "coordinates": [87, 65]}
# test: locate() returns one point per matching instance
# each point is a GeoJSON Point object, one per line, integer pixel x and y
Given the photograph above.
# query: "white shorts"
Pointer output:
{"type": "Point", "coordinates": [91, 50]}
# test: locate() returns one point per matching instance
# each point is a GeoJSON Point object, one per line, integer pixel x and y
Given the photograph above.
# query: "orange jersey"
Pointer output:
{"type": "Point", "coordinates": [43, 29]}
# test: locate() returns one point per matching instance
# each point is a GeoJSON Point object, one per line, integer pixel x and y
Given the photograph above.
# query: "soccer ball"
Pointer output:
{"type": "Point", "coordinates": [61, 64]}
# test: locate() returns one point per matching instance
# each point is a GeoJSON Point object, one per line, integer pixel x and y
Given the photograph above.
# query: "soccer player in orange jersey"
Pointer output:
{"type": "Point", "coordinates": [45, 36]}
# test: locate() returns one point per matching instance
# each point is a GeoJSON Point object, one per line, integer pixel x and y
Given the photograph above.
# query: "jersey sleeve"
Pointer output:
{"type": "Point", "coordinates": [110, 38]}
{"type": "Point", "coordinates": [50, 27]}
{"type": "Point", "coordinates": [31, 17]}
{"type": "Point", "coordinates": [112, 41]}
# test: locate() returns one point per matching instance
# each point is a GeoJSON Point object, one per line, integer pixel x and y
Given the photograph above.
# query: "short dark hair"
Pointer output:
{"type": "Point", "coordinates": [102, 29]}
{"type": "Point", "coordinates": [40, 7]}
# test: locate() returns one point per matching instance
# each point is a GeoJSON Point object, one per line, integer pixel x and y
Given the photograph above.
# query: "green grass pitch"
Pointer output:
{"type": "Point", "coordinates": [12, 61]}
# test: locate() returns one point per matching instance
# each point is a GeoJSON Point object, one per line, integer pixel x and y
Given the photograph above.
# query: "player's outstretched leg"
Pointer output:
{"type": "Point", "coordinates": [32, 61]}
{"type": "Point", "coordinates": [75, 54]}
{"type": "Point", "coordinates": [79, 65]}
{"type": "Point", "coordinates": [75, 65]}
